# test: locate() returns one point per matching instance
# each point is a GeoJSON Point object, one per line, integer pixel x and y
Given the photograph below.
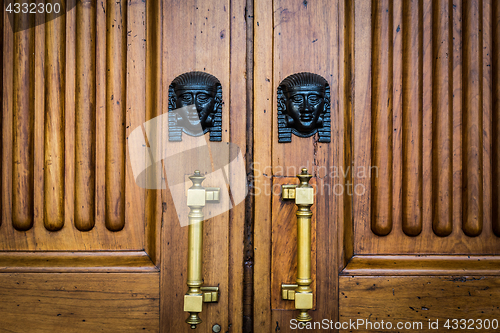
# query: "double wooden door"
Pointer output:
{"type": "Point", "coordinates": [406, 227]}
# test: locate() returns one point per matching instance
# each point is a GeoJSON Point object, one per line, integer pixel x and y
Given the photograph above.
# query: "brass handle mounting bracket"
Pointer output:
{"type": "Point", "coordinates": [301, 292]}
{"type": "Point", "coordinates": [197, 198]}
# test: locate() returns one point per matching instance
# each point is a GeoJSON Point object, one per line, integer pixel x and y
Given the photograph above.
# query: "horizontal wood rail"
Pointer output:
{"type": "Point", "coordinates": [400, 265]}
{"type": "Point", "coordinates": [80, 302]}
{"type": "Point", "coordinates": [76, 262]}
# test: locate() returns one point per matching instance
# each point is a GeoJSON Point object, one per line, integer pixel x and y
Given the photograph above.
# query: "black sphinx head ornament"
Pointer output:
{"type": "Point", "coordinates": [303, 107]}
{"type": "Point", "coordinates": [195, 106]}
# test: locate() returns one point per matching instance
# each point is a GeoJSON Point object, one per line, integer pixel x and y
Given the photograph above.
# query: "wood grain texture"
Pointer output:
{"type": "Point", "coordinates": [239, 132]}
{"type": "Point", "coordinates": [473, 118]}
{"type": "Point", "coordinates": [331, 207]}
{"type": "Point", "coordinates": [78, 302]}
{"type": "Point", "coordinates": [121, 302]}
{"type": "Point", "coordinates": [496, 120]}
{"type": "Point", "coordinates": [201, 37]}
{"type": "Point", "coordinates": [442, 172]}
{"type": "Point", "coordinates": [382, 117]}
{"type": "Point", "coordinates": [301, 41]}
{"type": "Point", "coordinates": [75, 262]}
{"type": "Point", "coordinates": [443, 159]}
{"type": "Point", "coordinates": [487, 110]}
{"type": "Point", "coordinates": [23, 126]}
{"type": "Point", "coordinates": [422, 74]}
{"type": "Point", "coordinates": [85, 112]}
{"type": "Point", "coordinates": [456, 27]}
{"type": "Point", "coordinates": [70, 115]}
{"type": "Point", "coordinates": [397, 112]}
{"type": "Point", "coordinates": [55, 58]}
{"type": "Point", "coordinates": [263, 91]}
{"type": "Point", "coordinates": [284, 244]}
{"type": "Point", "coordinates": [418, 299]}
{"type": "Point", "coordinates": [174, 261]}
{"type": "Point", "coordinates": [427, 88]}
{"type": "Point", "coordinates": [412, 117]}
{"type": "Point", "coordinates": [116, 65]}
{"type": "Point", "coordinates": [134, 197]}
{"type": "Point", "coordinates": [361, 159]}
{"type": "Point", "coordinates": [405, 265]}
{"type": "Point", "coordinates": [1, 117]}
{"type": "Point", "coordinates": [345, 244]}
{"type": "Point", "coordinates": [69, 238]}
{"type": "Point", "coordinates": [153, 109]}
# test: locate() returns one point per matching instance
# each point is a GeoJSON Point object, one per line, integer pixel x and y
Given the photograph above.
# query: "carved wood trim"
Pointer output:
{"type": "Point", "coordinates": [418, 299]}
{"type": "Point", "coordinates": [424, 124]}
{"type": "Point", "coordinates": [396, 265]}
{"type": "Point", "coordinates": [76, 262]}
{"type": "Point", "coordinates": [80, 302]}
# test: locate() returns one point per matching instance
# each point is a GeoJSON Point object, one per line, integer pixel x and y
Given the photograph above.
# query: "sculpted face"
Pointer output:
{"type": "Point", "coordinates": [195, 106]}
{"type": "Point", "coordinates": [305, 108]}
{"type": "Point", "coordinates": [204, 101]}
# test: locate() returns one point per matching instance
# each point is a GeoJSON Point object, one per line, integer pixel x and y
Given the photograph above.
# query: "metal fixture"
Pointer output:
{"type": "Point", "coordinates": [197, 197]}
{"type": "Point", "coordinates": [301, 292]}
{"type": "Point", "coordinates": [303, 107]}
{"type": "Point", "coordinates": [195, 106]}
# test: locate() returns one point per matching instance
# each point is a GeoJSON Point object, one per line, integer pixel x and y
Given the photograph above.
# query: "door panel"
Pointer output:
{"type": "Point", "coordinates": [207, 36]}
{"type": "Point", "coordinates": [424, 242]}
{"type": "Point", "coordinates": [414, 300]}
{"type": "Point", "coordinates": [70, 209]}
{"type": "Point", "coordinates": [405, 219]}
{"type": "Point", "coordinates": [79, 302]}
{"type": "Point", "coordinates": [292, 37]}
{"type": "Point", "coordinates": [432, 145]}
{"type": "Point", "coordinates": [28, 198]}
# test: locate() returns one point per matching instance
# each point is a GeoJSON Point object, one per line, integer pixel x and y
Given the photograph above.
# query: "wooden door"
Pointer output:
{"type": "Point", "coordinates": [79, 242]}
{"type": "Point", "coordinates": [413, 238]}
{"type": "Point", "coordinates": [405, 221]}
{"type": "Point", "coordinates": [423, 242]}
{"type": "Point", "coordinates": [293, 37]}
{"type": "Point", "coordinates": [207, 36]}
{"type": "Point", "coordinates": [82, 245]}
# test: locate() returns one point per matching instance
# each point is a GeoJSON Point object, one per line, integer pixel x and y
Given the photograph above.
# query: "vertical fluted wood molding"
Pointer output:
{"type": "Point", "coordinates": [472, 118]}
{"type": "Point", "coordinates": [1, 114]}
{"type": "Point", "coordinates": [153, 109]}
{"type": "Point", "coordinates": [381, 219]}
{"type": "Point", "coordinates": [442, 119]}
{"type": "Point", "coordinates": [23, 122]}
{"type": "Point", "coordinates": [412, 116]}
{"type": "Point", "coordinates": [496, 117]}
{"type": "Point", "coordinates": [85, 115]}
{"type": "Point", "coordinates": [55, 56]}
{"type": "Point", "coordinates": [116, 60]}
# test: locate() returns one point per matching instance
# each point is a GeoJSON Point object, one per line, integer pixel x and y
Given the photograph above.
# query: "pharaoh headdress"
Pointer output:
{"type": "Point", "coordinates": [305, 81]}
{"type": "Point", "coordinates": [195, 80]}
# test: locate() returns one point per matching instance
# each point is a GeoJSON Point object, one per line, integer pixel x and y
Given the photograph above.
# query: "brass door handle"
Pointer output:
{"type": "Point", "coordinates": [197, 197]}
{"type": "Point", "coordinates": [301, 292]}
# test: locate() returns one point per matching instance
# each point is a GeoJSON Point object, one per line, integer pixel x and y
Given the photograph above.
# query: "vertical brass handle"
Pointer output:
{"type": "Point", "coordinates": [301, 293]}
{"type": "Point", "coordinates": [196, 295]}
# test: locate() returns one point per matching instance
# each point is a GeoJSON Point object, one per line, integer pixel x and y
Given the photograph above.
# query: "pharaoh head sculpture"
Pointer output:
{"type": "Point", "coordinates": [195, 106]}
{"type": "Point", "coordinates": [303, 107]}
